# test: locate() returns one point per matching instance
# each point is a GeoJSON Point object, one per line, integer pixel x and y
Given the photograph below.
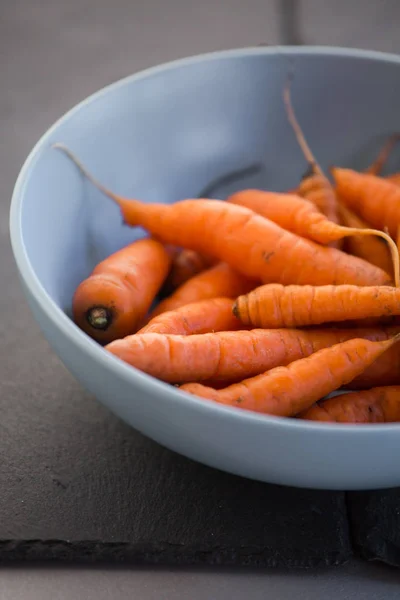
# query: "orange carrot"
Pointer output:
{"type": "Point", "coordinates": [303, 218]}
{"type": "Point", "coordinates": [227, 356]}
{"type": "Point", "coordinates": [375, 199]}
{"type": "Point", "coordinates": [217, 281]}
{"type": "Point", "coordinates": [287, 391]}
{"type": "Point", "coordinates": [379, 405]}
{"type": "Point", "coordinates": [274, 305]}
{"type": "Point", "coordinates": [385, 371]}
{"type": "Point", "coordinates": [376, 167]}
{"type": "Point", "coordinates": [232, 356]}
{"type": "Point", "coordinates": [186, 264]}
{"type": "Point", "coordinates": [315, 186]}
{"type": "Point", "coordinates": [204, 316]}
{"type": "Point", "coordinates": [113, 300]}
{"type": "Point", "coordinates": [252, 245]}
{"type": "Point", "coordinates": [371, 249]}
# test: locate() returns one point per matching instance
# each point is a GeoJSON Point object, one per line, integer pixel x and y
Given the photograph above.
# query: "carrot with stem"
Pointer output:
{"type": "Point", "coordinates": [378, 405]}
{"type": "Point", "coordinates": [300, 216]}
{"type": "Point", "coordinates": [287, 391]}
{"type": "Point", "coordinates": [113, 300]}
{"type": "Point", "coordinates": [213, 314]}
{"type": "Point", "coordinates": [217, 281]}
{"type": "Point", "coordinates": [274, 305]}
{"type": "Point", "coordinates": [254, 246]}
{"type": "Point", "coordinates": [370, 248]}
{"type": "Point", "coordinates": [315, 186]}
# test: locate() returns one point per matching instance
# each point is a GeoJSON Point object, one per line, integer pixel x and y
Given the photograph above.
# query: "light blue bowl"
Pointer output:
{"type": "Point", "coordinates": [162, 135]}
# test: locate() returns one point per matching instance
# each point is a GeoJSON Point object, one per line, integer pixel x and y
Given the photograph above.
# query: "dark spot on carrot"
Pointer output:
{"type": "Point", "coordinates": [235, 309]}
{"type": "Point", "coordinates": [239, 400]}
{"type": "Point", "coordinates": [267, 255]}
{"type": "Point", "coordinates": [370, 409]}
{"type": "Point", "coordinates": [99, 317]}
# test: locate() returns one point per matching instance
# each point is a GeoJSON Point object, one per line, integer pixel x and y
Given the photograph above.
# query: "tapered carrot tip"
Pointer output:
{"type": "Point", "coordinates": [202, 391]}
{"type": "Point", "coordinates": [99, 317]}
{"type": "Point", "coordinates": [121, 202]}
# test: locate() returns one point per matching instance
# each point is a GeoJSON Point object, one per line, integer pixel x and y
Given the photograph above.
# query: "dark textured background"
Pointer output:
{"type": "Point", "coordinates": [76, 483]}
{"type": "Point", "coordinates": [59, 450]}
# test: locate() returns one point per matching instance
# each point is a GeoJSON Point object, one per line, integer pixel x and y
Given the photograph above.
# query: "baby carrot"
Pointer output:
{"type": "Point", "coordinates": [315, 186]}
{"type": "Point", "coordinates": [303, 218]}
{"type": "Point", "coordinates": [252, 245]}
{"type": "Point", "coordinates": [233, 356]}
{"type": "Point", "coordinates": [186, 264]}
{"type": "Point", "coordinates": [220, 280]}
{"type": "Point", "coordinates": [375, 199]}
{"type": "Point", "coordinates": [371, 249]}
{"type": "Point", "coordinates": [214, 314]}
{"type": "Point", "coordinates": [226, 356]}
{"type": "Point", "coordinates": [275, 305]}
{"type": "Point", "coordinates": [113, 300]}
{"type": "Point", "coordinates": [287, 391]}
{"type": "Point", "coordinates": [378, 405]}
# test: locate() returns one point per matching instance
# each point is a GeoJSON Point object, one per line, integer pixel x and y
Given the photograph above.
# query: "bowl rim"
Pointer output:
{"type": "Point", "coordinates": [63, 323]}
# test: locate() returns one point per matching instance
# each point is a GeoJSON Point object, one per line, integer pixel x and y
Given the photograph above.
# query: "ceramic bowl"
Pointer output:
{"type": "Point", "coordinates": [162, 135]}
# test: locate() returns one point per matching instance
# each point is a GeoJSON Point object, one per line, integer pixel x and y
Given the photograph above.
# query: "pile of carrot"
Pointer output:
{"type": "Point", "coordinates": [266, 301]}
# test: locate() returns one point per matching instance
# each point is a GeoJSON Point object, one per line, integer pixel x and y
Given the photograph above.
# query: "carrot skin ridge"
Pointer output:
{"type": "Point", "coordinates": [274, 305]}
{"type": "Point", "coordinates": [204, 316]}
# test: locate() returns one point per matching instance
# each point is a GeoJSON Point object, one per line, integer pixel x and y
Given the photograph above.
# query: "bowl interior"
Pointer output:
{"type": "Point", "coordinates": [165, 134]}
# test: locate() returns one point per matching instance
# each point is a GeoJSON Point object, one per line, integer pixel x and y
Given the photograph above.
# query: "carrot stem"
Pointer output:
{"type": "Point", "coordinates": [114, 197]}
{"type": "Point", "coordinates": [376, 167]}
{"type": "Point", "coordinates": [315, 185]}
{"type": "Point", "coordinates": [309, 156]}
{"type": "Point", "coordinates": [394, 249]}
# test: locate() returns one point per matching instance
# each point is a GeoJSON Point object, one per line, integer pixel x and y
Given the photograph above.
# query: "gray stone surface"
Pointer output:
{"type": "Point", "coordinates": [52, 55]}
